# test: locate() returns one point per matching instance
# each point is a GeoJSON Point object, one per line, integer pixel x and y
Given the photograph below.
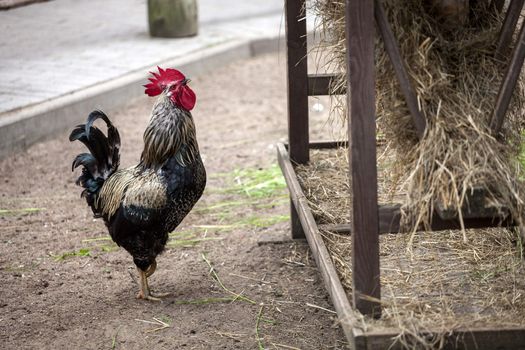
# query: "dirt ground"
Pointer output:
{"type": "Point", "coordinates": [66, 286]}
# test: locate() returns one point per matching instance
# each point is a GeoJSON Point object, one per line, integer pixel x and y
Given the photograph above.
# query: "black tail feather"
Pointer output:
{"type": "Point", "coordinates": [103, 159]}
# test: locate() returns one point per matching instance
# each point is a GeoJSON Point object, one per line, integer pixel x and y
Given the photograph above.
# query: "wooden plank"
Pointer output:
{"type": "Point", "coordinates": [328, 144]}
{"type": "Point", "coordinates": [474, 207]}
{"type": "Point", "coordinates": [338, 144]}
{"type": "Point", "coordinates": [509, 83]}
{"type": "Point", "coordinates": [392, 50]}
{"type": "Point", "coordinates": [462, 339]}
{"type": "Point", "coordinates": [390, 216]}
{"type": "Point", "coordinates": [363, 168]}
{"type": "Point", "coordinates": [297, 80]}
{"type": "Point", "coordinates": [319, 85]}
{"type": "Point", "coordinates": [508, 27]}
{"type": "Point", "coordinates": [322, 258]}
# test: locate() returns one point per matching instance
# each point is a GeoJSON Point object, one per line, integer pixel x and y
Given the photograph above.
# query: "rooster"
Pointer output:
{"type": "Point", "coordinates": [142, 204]}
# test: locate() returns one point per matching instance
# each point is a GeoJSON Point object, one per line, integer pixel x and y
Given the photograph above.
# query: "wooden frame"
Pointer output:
{"type": "Point", "coordinates": [489, 339]}
{"type": "Point", "coordinates": [368, 218]}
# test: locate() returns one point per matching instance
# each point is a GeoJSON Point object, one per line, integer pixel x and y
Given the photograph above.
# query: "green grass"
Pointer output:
{"type": "Point", "coordinates": [114, 339]}
{"type": "Point", "coordinates": [229, 205]}
{"type": "Point", "coordinates": [22, 211]}
{"type": "Point", "coordinates": [96, 239]}
{"type": "Point", "coordinates": [255, 182]}
{"type": "Point", "coordinates": [90, 251]}
{"type": "Point", "coordinates": [259, 183]}
{"type": "Point", "coordinates": [165, 319]}
{"type": "Point", "coordinates": [108, 248]}
{"type": "Point", "coordinates": [215, 276]}
{"type": "Point", "coordinates": [265, 221]}
{"type": "Point", "coordinates": [188, 243]}
{"type": "Point", "coordinates": [80, 252]}
{"type": "Point", "coordinates": [260, 344]}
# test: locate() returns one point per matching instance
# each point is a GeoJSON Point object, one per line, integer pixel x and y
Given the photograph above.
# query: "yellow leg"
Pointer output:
{"type": "Point", "coordinates": [145, 292]}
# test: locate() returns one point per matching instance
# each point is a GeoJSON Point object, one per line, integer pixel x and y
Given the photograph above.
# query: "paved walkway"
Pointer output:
{"type": "Point", "coordinates": [52, 49]}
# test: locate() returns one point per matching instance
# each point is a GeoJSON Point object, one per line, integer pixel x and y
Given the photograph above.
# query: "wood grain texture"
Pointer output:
{"type": "Point", "coordinates": [322, 258]}
{"type": "Point", "coordinates": [363, 167]}
{"type": "Point", "coordinates": [328, 144]}
{"type": "Point", "coordinates": [295, 223]}
{"type": "Point", "coordinates": [392, 50]}
{"type": "Point", "coordinates": [459, 339]}
{"type": "Point", "coordinates": [297, 81]}
{"type": "Point", "coordinates": [509, 83]}
{"type": "Point", "coordinates": [390, 216]}
{"type": "Point", "coordinates": [508, 27]}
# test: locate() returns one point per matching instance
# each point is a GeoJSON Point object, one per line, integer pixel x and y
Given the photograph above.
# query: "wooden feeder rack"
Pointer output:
{"type": "Point", "coordinates": [368, 218]}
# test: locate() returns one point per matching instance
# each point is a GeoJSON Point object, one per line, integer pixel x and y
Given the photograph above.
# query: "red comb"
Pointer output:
{"type": "Point", "coordinates": [161, 79]}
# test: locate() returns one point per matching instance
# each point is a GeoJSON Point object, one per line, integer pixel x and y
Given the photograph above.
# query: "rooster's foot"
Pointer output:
{"type": "Point", "coordinates": [150, 296]}
{"type": "Point", "coordinates": [145, 293]}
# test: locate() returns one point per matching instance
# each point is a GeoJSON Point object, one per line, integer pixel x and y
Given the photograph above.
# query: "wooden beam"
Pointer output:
{"type": "Point", "coordinates": [509, 83]}
{"type": "Point", "coordinates": [392, 50]}
{"type": "Point", "coordinates": [508, 27]}
{"type": "Point", "coordinates": [390, 216]}
{"type": "Point", "coordinates": [297, 80]}
{"type": "Point", "coordinates": [319, 85]}
{"type": "Point", "coordinates": [465, 339]}
{"type": "Point", "coordinates": [328, 144]}
{"type": "Point", "coordinates": [322, 258]}
{"type": "Point", "coordinates": [336, 144]}
{"type": "Point", "coordinates": [363, 164]}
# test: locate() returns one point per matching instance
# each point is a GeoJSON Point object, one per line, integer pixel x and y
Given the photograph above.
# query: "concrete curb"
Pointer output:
{"type": "Point", "coordinates": [24, 127]}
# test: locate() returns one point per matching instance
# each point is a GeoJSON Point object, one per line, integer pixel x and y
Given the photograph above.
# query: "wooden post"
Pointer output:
{"type": "Point", "coordinates": [399, 67]}
{"type": "Point", "coordinates": [509, 83]}
{"type": "Point", "coordinates": [173, 18]}
{"type": "Point", "coordinates": [508, 27]}
{"type": "Point", "coordinates": [296, 50]}
{"type": "Point", "coordinates": [297, 80]}
{"type": "Point", "coordinates": [295, 223]}
{"type": "Point", "coordinates": [363, 166]}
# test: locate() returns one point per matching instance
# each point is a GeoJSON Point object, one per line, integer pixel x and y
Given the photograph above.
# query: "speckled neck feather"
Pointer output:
{"type": "Point", "coordinates": [170, 133]}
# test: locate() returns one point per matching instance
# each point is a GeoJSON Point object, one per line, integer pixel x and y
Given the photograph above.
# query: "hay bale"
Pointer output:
{"type": "Point", "coordinates": [456, 78]}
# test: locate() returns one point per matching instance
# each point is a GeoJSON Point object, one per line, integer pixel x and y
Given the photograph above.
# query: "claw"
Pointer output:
{"type": "Point", "coordinates": [149, 297]}
{"type": "Point", "coordinates": [159, 295]}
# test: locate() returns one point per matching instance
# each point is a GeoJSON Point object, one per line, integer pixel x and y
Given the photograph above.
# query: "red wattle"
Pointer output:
{"type": "Point", "coordinates": [184, 97]}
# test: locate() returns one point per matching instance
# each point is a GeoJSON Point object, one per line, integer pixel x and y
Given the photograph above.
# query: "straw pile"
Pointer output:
{"type": "Point", "coordinates": [444, 280]}
{"type": "Point", "coordinates": [442, 283]}
{"type": "Point", "coordinates": [456, 78]}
